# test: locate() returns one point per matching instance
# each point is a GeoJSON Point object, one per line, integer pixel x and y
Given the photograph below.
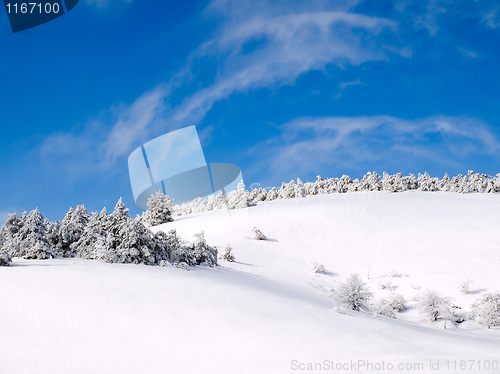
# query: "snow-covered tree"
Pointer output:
{"type": "Point", "coordinates": [300, 190]}
{"type": "Point", "coordinates": [9, 234]}
{"type": "Point", "coordinates": [180, 251]}
{"type": "Point", "coordinates": [239, 198]}
{"type": "Point", "coordinates": [53, 233]}
{"type": "Point", "coordinates": [136, 245]}
{"type": "Point", "coordinates": [486, 310]}
{"type": "Point", "coordinates": [272, 194]}
{"type": "Point", "coordinates": [32, 238]}
{"type": "Point", "coordinates": [159, 209]}
{"type": "Point", "coordinates": [258, 235]}
{"type": "Point", "coordinates": [72, 227]}
{"type": "Point", "coordinates": [92, 243]}
{"type": "Point", "coordinates": [355, 293]}
{"type": "Point", "coordinates": [4, 259]}
{"type": "Point", "coordinates": [435, 307]}
{"type": "Point", "coordinates": [258, 195]}
{"type": "Point", "coordinates": [203, 253]}
{"type": "Point", "coordinates": [114, 223]}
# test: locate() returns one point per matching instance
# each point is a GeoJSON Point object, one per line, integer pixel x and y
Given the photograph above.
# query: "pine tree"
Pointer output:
{"type": "Point", "coordinates": [203, 253]}
{"type": "Point", "coordinates": [53, 233]}
{"type": "Point", "coordinates": [159, 209]}
{"type": "Point", "coordinates": [9, 232]}
{"type": "Point", "coordinates": [72, 228]}
{"type": "Point", "coordinates": [114, 223]}
{"type": "Point", "coordinates": [239, 198]}
{"type": "Point", "coordinates": [33, 243]}
{"type": "Point", "coordinates": [92, 243]}
{"type": "Point", "coordinates": [180, 252]}
{"type": "Point", "coordinates": [136, 244]}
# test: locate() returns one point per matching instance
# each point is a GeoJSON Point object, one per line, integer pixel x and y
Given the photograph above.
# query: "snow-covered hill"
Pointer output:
{"type": "Point", "coordinates": [266, 312]}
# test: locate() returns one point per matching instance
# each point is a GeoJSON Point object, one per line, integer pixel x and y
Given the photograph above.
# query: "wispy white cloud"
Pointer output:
{"type": "Point", "coordinates": [491, 16]}
{"type": "Point", "coordinates": [265, 49]}
{"type": "Point", "coordinates": [258, 44]}
{"type": "Point", "coordinates": [100, 145]}
{"type": "Point", "coordinates": [308, 144]}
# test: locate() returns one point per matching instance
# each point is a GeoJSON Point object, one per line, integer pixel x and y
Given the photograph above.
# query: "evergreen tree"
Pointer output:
{"type": "Point", "coordinates": [239, 199]}
{"type": "Point", "coordinates": [9, 233]}
{"type": "Point", "coordinates": [72, 228]}
{"type": "Point", "coordinates": [203, 253]}
{"type": "Point", "coordinates": [159, 209]}
{"type": "Point", "coordinates": [92, 243]}
{"type": "Point", "coordinates": [136, 244]}
{"type": "Point", "coordinates": [32, 237]}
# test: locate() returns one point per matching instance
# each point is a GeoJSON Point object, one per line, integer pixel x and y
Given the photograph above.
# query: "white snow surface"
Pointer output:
{"type": "Point", "coordinates": [266, 312]}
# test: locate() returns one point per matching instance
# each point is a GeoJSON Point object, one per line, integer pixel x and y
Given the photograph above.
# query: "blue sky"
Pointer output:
{"type": "Point", "coordinates": [283, 89]}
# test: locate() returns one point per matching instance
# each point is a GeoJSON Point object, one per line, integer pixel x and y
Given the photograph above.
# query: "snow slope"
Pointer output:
{"type": "Point", "coordinates": [265, 313]}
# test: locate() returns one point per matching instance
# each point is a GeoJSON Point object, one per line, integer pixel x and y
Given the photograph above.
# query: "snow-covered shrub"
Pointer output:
{"type": "Point", "coordinates": [435, 306]}
{"type": "Point", "coordinates": [395, 274]}
{"type": "Point", "coordinates": [4, 259]}
{"type": "Point", "coordinates": [182, 265]}
{"type": "Point", "coordinates": [465, 286]}
{"type": "Point", "coordinates": [486, 310]}
{"type": "Point", "coordinates": [228, 254]}
{"type": "Point", "coordinates": [382, 308]}
{"type": "Point", "coordinates": [397, 302]}
{"type": "Point", "coordinates": [258, 235]}
{"type": "Point", "coordinates": [317, 268]}
{"type": "Point", "coordinates": [386, 285]}
{"type": "Point", "coordinates": [159, 209]}
{"type": "Point", "coordinates": [355, 293]}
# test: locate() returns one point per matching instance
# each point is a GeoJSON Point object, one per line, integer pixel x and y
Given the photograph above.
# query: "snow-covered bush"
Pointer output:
{"type": "Point", "coordinates": [382, 308]}
{"type": "Point", "coordinates": [386, 285]}
{"type": "Point", "coordinates": [258, 235]}
{"type": "Point", "coordinates": [436, 307]}
{"type": "Point", "coordinates": [317, 268]}
{"type": "Point", "coordinates": [465, 286]}
{"type": "Point", "coordinates": [486, 310]}
{"type": "Point", "coordinates": [159, 209]}
{"type": "Point", "coordinates": [355, 293]}
{"type": "Point", "coordinates": [228, 254]}
{"type": "Point", "coordinates": [4, 259]}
